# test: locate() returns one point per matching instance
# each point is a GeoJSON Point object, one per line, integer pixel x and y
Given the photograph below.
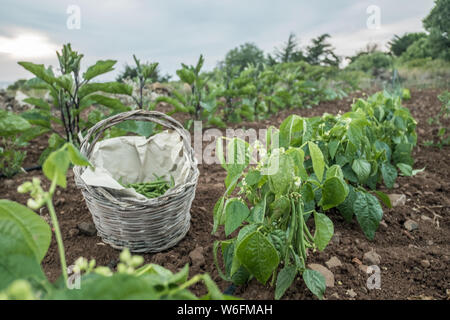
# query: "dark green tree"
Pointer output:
{"type": "Point", "coordinates": [437, 23]}
{"type": "Point", "coordinates": [290, 51]}
{"type": "Point", "coordinates": [242, 56]}
{"type": "Point", "coordinates": [399, 44]}
{"type": "Point", "coordinates": [321, 53]}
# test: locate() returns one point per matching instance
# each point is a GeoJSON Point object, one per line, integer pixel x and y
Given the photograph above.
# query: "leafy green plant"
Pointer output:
{"type": "Point", "coordinates": [442, 136]}
{"type": "Point", "coordinates": [71, 92]}
{"type": "Point", "coordinates": [25, 238]}
{"type": "Point", "coordinates": [274, 230]}
{"type": "Point", "coordinates": [15, 132]}
{"type": "Point", "coordinates": [144, 75]}
{"type": "Point", "coordinates": [200, 102]}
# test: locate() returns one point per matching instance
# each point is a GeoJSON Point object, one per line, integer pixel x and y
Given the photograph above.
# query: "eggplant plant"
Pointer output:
{"type": "Point", "coordinates": [71, 93]}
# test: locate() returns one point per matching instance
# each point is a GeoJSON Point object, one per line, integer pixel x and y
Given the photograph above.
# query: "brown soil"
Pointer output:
{"type": "Point", "coordinates": [403, 274]}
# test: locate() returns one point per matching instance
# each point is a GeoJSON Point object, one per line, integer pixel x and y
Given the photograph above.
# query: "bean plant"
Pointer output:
{"type": "Point", "coordinates": [308, 167]}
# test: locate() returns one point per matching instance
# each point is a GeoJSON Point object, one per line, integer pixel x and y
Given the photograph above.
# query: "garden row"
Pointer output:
{"type": "Point", "coordinates": [216, 98]}
{"type": "Point", "coordinates": [308, 166]}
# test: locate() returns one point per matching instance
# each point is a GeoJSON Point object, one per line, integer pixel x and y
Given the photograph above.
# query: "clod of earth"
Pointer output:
{"type": "Point", "coordinates": [87, 228]}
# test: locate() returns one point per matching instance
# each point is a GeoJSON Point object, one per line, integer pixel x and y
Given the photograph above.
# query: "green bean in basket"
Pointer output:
{"type": "Point", "coordinates": [152, 189]}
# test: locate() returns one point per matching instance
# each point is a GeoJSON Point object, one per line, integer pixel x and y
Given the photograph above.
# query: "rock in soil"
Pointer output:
{"type": "Point", "coordinates": [397, 199]}
{"type": "Point", "coordinates": [334, 262]}
{"type": "Point", "coordinates": [425, 263]}
{"type": "Point", "coordinates": [197, 257]}
{"type": "Point", "coordinates": [351, 293]}
{"type": "Point", "coordinates": [87, 228]}
{"type": "Point", "coordinates": [410, 225]}
{"type": "Point", "coordinates": [372, 258]}
{"type": "Point", "coordinates": [329, 276]}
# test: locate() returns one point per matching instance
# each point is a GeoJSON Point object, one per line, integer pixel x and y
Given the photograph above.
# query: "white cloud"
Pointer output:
{"type": "Point", "coordinates": [27, 44]}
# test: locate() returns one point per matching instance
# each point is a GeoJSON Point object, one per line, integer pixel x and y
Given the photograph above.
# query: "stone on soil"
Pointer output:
{"type": "Point", "coordinates": [410, 225]}
{"type": "Point", "coordinates": [372, 258]}
{"type": "Point", "coordinates": [334, 262]}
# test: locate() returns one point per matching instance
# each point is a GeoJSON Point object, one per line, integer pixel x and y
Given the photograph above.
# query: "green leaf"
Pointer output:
{"type": "Point", "coordinates": [111, 103]}
{"type": "Point", "coordinates": [346, 207]}
{"type": "Point", "coordinates": [76, 157]}
{"type": "Point", "coordinates": [334, 171]}
{"type": "Point", "coordinates": [291, 131]}
{"type": "Point", "coordinates": [315, 282]}
{"type": "Point", "coordinates": [34, 230]}
{"type": "Point", "coordinates": [405, 169]}
{"type": "Point", "coordinates": [384, 198]}
{"type": "Point", "coordinates": [56, 165]}
{"type": "Point", "coordinates": [324, 230]}
{"type": "Point", "coordinates": [332, 148]}
{"type": "Point", "coordinates": [258, 255]}
{"type": "Point", "coordinates": [368, 213]}
{"type": "Point", "coordinates": [285, 279]}
{"type": "Point", "coordinates": [218, 213]}
{"type": "Point", "coordinates": [186, 75]}
{"type": "Point", "coordinates": [143, 128]}
{"type": "Point", "coordinates": [11, 124]}
{"type": "Point", "coordinates": [389, 173]}
{"type": "Point", "coordinates": [39, 71]}
{"type": "Point", "coordinates": [236, 212]}
{"type": "Point", "coordinates": [38, 117]}
{"type": "Point", "coordinates": [281, 180]}
{"type": "Point", "coordinates": [334, 192]}
{"type": "Point", "coordinates": [100, 67]}
{"type": "Point", "coordinates": [238, 158]}
{"type": "Point", "coordinates": [108, 87]}
{"type": "Point", "coordinates": [252, 177]}
{"type": "Point", "coordinates": [317, 160]}
{"type": "Point", "coordinates": [362, 169]}
{"type": "Point", "coordinates": [40, 103]}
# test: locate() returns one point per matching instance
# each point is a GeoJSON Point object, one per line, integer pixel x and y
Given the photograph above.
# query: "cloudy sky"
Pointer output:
{"type": "Point", "coordinates": [175, 31]}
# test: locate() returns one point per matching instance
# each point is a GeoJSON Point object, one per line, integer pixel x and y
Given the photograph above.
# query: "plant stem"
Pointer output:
{"type": "Point", "coordinates": [51, 209]}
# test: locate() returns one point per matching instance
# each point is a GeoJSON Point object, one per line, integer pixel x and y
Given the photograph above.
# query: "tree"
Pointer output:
{"type": "Point", "coordinates": [321, 52]}
{"type": "Point", "coordinates": [290, 51]}
{"type": "Point", "coordinates": [399, 44]}
{"type": "Point", "coordinates": [437, 24]}
{"type": "Point", "coordinates": [242, 56]}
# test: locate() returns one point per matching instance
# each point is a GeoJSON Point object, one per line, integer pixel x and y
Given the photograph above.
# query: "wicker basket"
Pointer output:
{"type": "Point", "coordinates": [154, 226]}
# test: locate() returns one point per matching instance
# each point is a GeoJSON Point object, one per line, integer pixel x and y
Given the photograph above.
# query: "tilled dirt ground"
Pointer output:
{"type": "Point", "coordinates": [414, 265]}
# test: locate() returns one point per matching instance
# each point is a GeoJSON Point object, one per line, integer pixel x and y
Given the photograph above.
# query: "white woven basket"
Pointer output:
{"type": "Point", "coordinates": [152, 226]}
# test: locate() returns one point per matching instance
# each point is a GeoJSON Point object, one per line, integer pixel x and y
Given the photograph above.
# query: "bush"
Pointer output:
{"type": "Point", "coordinates": [372, 63]}
{"type": "Point", "coordinates": [420, 49]}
